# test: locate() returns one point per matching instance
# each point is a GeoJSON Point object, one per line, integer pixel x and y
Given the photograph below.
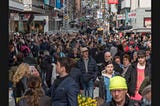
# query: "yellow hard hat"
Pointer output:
{"type": "Point", "coordinates": [117, 82]}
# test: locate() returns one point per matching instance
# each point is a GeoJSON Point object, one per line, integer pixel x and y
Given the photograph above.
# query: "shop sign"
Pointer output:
{"type": "Point", "coordinates": [132, 15]}
{"type": "Point", "coordinates": [120, 17]}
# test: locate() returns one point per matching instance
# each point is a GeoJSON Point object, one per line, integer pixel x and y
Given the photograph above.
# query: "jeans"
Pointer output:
{"type": "Point", "coordinates": [88, 88]}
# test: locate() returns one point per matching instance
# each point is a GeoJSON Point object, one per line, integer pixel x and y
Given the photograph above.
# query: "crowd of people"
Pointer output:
{"type": "Point", "coordinates": [52, 69]}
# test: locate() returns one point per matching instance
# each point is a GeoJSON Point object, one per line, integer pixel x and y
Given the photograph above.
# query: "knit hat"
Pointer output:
{"type": "Point", "coordinates": [117, 82]}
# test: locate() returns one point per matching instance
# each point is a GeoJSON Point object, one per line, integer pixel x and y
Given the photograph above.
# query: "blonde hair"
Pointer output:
{"type": "Point", "coordinates": [20, 72]}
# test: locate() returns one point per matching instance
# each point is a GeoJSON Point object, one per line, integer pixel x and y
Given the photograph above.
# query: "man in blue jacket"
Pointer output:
{"type": "Point", "coordinates": [64, 90]}
{"type": "Point", "coordinates": [89, 69]}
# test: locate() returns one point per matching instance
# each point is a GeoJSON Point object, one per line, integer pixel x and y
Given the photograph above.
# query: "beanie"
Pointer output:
{"type": "Point", "coordinates": [117, 82]}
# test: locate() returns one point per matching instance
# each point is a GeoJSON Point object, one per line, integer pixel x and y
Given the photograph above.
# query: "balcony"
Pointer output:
{"type": "Point", "coordinates": [34, 6]}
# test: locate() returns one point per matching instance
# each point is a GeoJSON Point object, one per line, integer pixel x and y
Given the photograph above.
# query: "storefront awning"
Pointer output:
{"type": "Point", "coordinates": [139, 30]}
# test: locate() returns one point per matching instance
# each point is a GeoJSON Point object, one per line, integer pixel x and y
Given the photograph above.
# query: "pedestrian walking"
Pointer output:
{"type": "Point", "coordinates": [126, 63]}
{"type": "Point", "coordinates": [89, 69]}
{"type": "Point", "coordinates": [135, 75]}
{"type": "Point", "coordinates": [19, 80]}
{"type": "Point", "coordinates": [118, 88]}
{"type": "Point", "coordinates": [64, 91]}
{"type": "Point", "coordinates": [107, 73]}
{"type": "Point", "coordinates": [34, 95]}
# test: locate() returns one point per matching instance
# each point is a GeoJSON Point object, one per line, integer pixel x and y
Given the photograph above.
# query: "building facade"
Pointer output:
{"type": "Point", "coordinates": [142, 11]}
{"type": "Point", "coordinates": [135, 13]}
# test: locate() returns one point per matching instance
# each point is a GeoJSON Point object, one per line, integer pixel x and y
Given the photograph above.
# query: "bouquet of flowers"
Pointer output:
{"type": "Point", "coordinates": [86, 101]}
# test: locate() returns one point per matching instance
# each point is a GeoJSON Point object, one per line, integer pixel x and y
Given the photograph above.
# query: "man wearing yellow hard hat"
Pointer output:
{"type": "Point", "coordinates": [118, 88]}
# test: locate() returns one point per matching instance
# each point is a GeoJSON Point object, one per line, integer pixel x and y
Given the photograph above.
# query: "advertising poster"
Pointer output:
{"type": "Point", "coordinates": [147, 22]}
{"type": "Point", "coordinates": [58, 4]}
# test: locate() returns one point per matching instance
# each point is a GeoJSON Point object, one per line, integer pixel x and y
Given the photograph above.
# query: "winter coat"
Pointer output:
{"type": "Point", "coordinates": [146, 82]}
{"type": "Point", "coordinates": [11, 59]}
{"type": "Point", "coordinates": [20, 87]}
{"type": "Point", "coordinates": [65, 94]}
{"type": "Point", "coordinates": [92, 69]}
{"type": "Point", "coordinates": [131, 77]}
{"type": "Point", "coordinates": [76, 74]}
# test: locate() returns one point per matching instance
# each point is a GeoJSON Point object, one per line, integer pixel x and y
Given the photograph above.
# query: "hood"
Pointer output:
{"type": "Point", "coordinates": [103, 73]}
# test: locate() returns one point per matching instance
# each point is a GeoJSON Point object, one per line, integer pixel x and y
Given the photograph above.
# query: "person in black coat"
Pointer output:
{"type": "Point", "coordinates": [76, 73]}
{"type": "Point", "coordinates": [133, 74]}
{"type": "Point", "coordinates": [89, 69]}
{"type": "Point", "coordinates": [11, 56]}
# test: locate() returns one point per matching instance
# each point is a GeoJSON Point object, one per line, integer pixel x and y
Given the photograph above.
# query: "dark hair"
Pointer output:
{"type": "Point", "coordinates": [20, 58]}
{"type": "Point", "coordinates": [117, 57]}
{"type": "Point", "coordinates": [73, 63]}
{"type": "Point", "coordinates": [34, 91]}
{"type": "Point", "coordinates": [34, 82]}
{"type": "Point", "coordinates": [109, 62]}
{"type": "Point", "coordinates": [66, 62]}
{"type": "Point", "coordinates": [127, 57]}
{"type": "Point", "coordinates": [10, 46]}
{"type": "Point", "coordinates": [141, 53]}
